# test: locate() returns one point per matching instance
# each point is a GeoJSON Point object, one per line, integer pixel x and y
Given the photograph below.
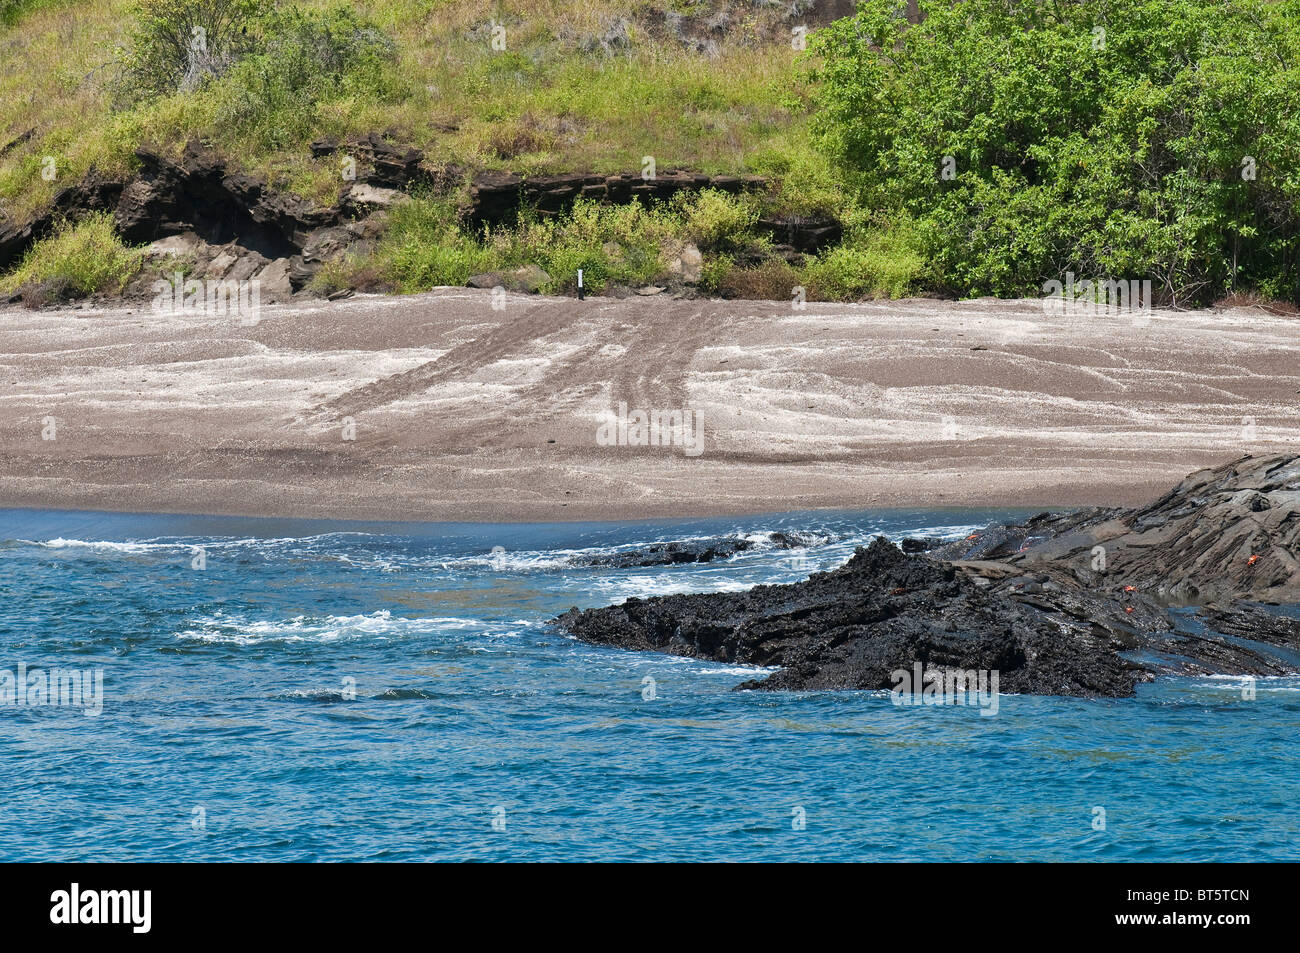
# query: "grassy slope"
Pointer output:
{"type": "Point", "coordinates": [549, 103]}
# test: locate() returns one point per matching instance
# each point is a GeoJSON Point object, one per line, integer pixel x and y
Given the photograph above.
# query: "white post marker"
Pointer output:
{"type": "Point", "coordinates": [581, 295]}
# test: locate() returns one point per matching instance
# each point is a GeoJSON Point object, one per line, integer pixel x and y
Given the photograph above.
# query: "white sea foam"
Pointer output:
{"type": "Point", "coordinates": [738, 670]}
{"type": "Point", "coordinates": [1262, 683]}
{"type": "Point", "coordinates": [628, 585]}
{"type": "Point", "coordinates": [942, 532]}
{"type": "Point", "coordinates": [522, 561]}
{"type": "Point", "coordinates": [222, 628]}
{"type": "Point", "coordinates": [183, 542]}
{"type": "Point", "coordinates": [106, 546]}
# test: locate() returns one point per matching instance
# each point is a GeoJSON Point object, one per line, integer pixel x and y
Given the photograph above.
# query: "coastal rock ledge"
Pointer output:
{"type": "Point", "coordinates": [1088, 603]}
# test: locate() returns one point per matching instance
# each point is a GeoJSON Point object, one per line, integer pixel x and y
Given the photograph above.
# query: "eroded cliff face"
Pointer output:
{"type": "Point", "coordinates": [237, 226]}
{"type": "Point", "coordinates": [1088, 603]}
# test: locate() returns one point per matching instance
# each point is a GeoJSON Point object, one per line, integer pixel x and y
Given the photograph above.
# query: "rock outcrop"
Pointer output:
{"type": "Point", "coordinates": [495, 198]}
{"type": "Point", "coordinates": [199, 194]}
{"type": "Point", "coordinates": [1222, 535]}
{"type": "Point", "coordinates": [1088, 603]}
{"type": "Point", "coordinates": [805, 234]}
{"type": "Point", "coordinates": [95, 193]}
{"type": "Point", "coordinates": [232, 226]}
{"type": "Point", "coordinates": [382, 162]}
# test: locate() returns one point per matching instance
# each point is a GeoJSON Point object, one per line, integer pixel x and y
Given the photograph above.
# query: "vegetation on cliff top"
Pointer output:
{"type": "Point", "coordinates": [584, 87]}
{"type": "Point", "coordinates": [989, 148]}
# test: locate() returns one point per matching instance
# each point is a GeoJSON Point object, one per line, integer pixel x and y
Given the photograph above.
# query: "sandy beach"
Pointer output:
{"type": "Point", "coordinates": [440, 407]}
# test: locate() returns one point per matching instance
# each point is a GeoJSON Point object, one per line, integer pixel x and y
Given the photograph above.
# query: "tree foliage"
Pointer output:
{"type": "Point", "coordinates": [1151, 139]}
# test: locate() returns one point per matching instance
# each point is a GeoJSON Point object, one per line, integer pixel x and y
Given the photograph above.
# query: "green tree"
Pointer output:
{"type": "Point", "coordinates": [1112, 138]}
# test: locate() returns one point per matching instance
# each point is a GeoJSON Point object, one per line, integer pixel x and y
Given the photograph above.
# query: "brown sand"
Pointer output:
{"type": "Point", "coordinates": [463, 412]}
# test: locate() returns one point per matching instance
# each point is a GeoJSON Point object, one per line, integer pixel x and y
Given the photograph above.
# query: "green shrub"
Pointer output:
{"type": "Point", "coordinates": [258, 74]}
{"type": "Point", "coordinates": [334, 275]}
{"type": "Point", "coordinates": [78, 260]}
{"type": "Point", "coordinates": [1110, 154]}
{"type": "Point", "coordinates": [424, 247]}
{"type": "Point", "coordinates": [177, 44]}
{"type": "Point", "coordinates": [714, 272]}
{"type": "Point", "coordinates": [11, 11]}
{"type": "Point", "coordinates": [715, 219]}
{"type": "Point", "coordinates": [884, 263]}
{"type": "Point", "coordinates": [621, 244]}
{"type": "Point", "coordinates": [272, 96]}
{"type": "Point", "coordinates": [630, 245]}
{"type": "Point", "coordinates": [805, 182]}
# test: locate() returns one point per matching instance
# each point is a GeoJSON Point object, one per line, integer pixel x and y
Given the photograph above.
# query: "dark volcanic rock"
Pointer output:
{"type": "Point", "coordinates": [914, 544]}
{"type": "Point", "coordinates": [195, 193]}
{"type": "Point", "coordinates": [198, 194]}
{"type": "Point", "coordinates": [497, 197]}
{"type": "Point", "coordinates": [688, 551]}
{"type": "Point", "coordinates": [95, 193]}
{"type": "Point", "coordinates": [882, 611]}
{"type": "Point", "coordinates": [1064, 604]}
{"type": "Point", "coordinates": [332, 243]}
{"type": "Point", "coordinates": [382, 162]}
{"type": "Point", "coordinates": [527, 279]}
{"type": "Point", "coordinates": [1229, 533]}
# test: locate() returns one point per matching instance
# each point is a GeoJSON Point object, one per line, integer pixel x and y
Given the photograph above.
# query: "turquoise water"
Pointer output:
{"type": "Point", "coordinates": [327, 691]}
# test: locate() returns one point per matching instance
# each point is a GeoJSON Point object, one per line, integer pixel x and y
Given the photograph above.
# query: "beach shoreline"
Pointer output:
{"type": "Point", "coordinates": [443, 408]}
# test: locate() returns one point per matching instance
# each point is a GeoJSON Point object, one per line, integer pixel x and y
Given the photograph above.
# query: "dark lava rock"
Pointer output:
{"type": "Point", "coordinates": [1064, 604]}
{"type": "Point", "coordinates": [688, 551]}
{"type": "Point", "coordinates": [526, 279]}
{"type": "Point", "coordinates": [852, 627]}
{"type": "Point", "coordinates": [1223, 534]}
{"type": "Point", "coordinates": [497, 197]}
{"type": "Point", "coordinates": [915, 544]}
{"type": "Point", "coordinates": [199, 194]}
{"type": "Point", "coordinates": [95, 193]}
{"type": "Point", "coordinates": [385, 163]}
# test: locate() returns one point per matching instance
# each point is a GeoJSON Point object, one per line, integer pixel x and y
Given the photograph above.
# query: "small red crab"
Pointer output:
{"type": "Point", "coordinates": [1252, 560]}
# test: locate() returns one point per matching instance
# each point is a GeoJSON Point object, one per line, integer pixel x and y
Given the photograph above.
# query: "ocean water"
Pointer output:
{"type": "Point", "coordinates": [361, 692]}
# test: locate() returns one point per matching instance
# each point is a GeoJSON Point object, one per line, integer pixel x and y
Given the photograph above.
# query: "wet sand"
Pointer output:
{"type": "Point", "coordinates": [462, 412]}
